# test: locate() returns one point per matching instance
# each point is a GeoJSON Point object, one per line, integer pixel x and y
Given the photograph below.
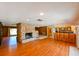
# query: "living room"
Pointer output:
{"type": "Point", "coordinates": [39, 28]}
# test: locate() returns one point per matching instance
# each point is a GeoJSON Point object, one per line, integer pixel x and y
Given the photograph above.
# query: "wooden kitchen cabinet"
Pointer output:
{"type": "Point", "coordinates": [61, 36]}
{"type": "Point", "coordinates": [56, 36]}
{"type": "Point", "coordinates": [72, 38]}
{"type": "Point", "coordinates": [67, 37]}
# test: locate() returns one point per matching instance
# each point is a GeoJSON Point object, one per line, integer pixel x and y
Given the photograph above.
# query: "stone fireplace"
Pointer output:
{"type": "Point", "coordinates": [28, 33]}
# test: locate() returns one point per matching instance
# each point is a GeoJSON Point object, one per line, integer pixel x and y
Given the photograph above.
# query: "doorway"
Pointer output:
{"type": "Point", "coordinates": [13, 37]}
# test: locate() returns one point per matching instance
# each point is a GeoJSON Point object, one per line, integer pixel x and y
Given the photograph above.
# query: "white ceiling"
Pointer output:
{"type": "Point", "coordinates": [54, 13]}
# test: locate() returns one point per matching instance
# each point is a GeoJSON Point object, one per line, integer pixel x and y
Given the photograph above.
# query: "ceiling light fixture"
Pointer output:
{"type": "Point", "coordinates": [41, 14]}
{"type": "Point", "coordinates": [27, 19]}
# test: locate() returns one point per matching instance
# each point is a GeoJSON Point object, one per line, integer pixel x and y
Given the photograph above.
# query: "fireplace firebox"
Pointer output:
{"type": "Point", "coordinates": [28, 35]}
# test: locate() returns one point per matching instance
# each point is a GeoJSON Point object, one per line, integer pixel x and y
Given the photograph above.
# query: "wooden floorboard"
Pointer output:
{"type": "Point", "coordinates": [43, 47]}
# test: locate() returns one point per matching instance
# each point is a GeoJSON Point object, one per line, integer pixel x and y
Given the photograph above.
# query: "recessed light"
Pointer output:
{"type": "Point", "coordinates": [27, 19]}
{"type": "Point", "coordinates": [41, 13]}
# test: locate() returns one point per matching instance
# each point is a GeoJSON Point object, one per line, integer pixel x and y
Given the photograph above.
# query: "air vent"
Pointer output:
{"type": "Point", "coordinates": [39, 20]}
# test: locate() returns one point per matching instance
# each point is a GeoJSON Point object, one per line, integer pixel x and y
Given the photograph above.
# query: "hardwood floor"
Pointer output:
{"type": "Point", "coordinates": [43, 47]}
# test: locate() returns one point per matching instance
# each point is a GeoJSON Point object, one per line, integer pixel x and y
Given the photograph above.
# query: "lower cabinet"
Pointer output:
{"type": "Point", "coordinates": [72, 38]}
{"type": "Point", "coordinates": [67, 37]}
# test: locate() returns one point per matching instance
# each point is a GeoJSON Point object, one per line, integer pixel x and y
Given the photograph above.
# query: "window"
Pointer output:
{"type": "Point", "coordinates": [13, 31]}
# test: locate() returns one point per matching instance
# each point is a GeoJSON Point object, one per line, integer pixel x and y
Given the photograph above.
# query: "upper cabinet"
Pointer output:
{"type": "Point", "coordinates": [65, 29]}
